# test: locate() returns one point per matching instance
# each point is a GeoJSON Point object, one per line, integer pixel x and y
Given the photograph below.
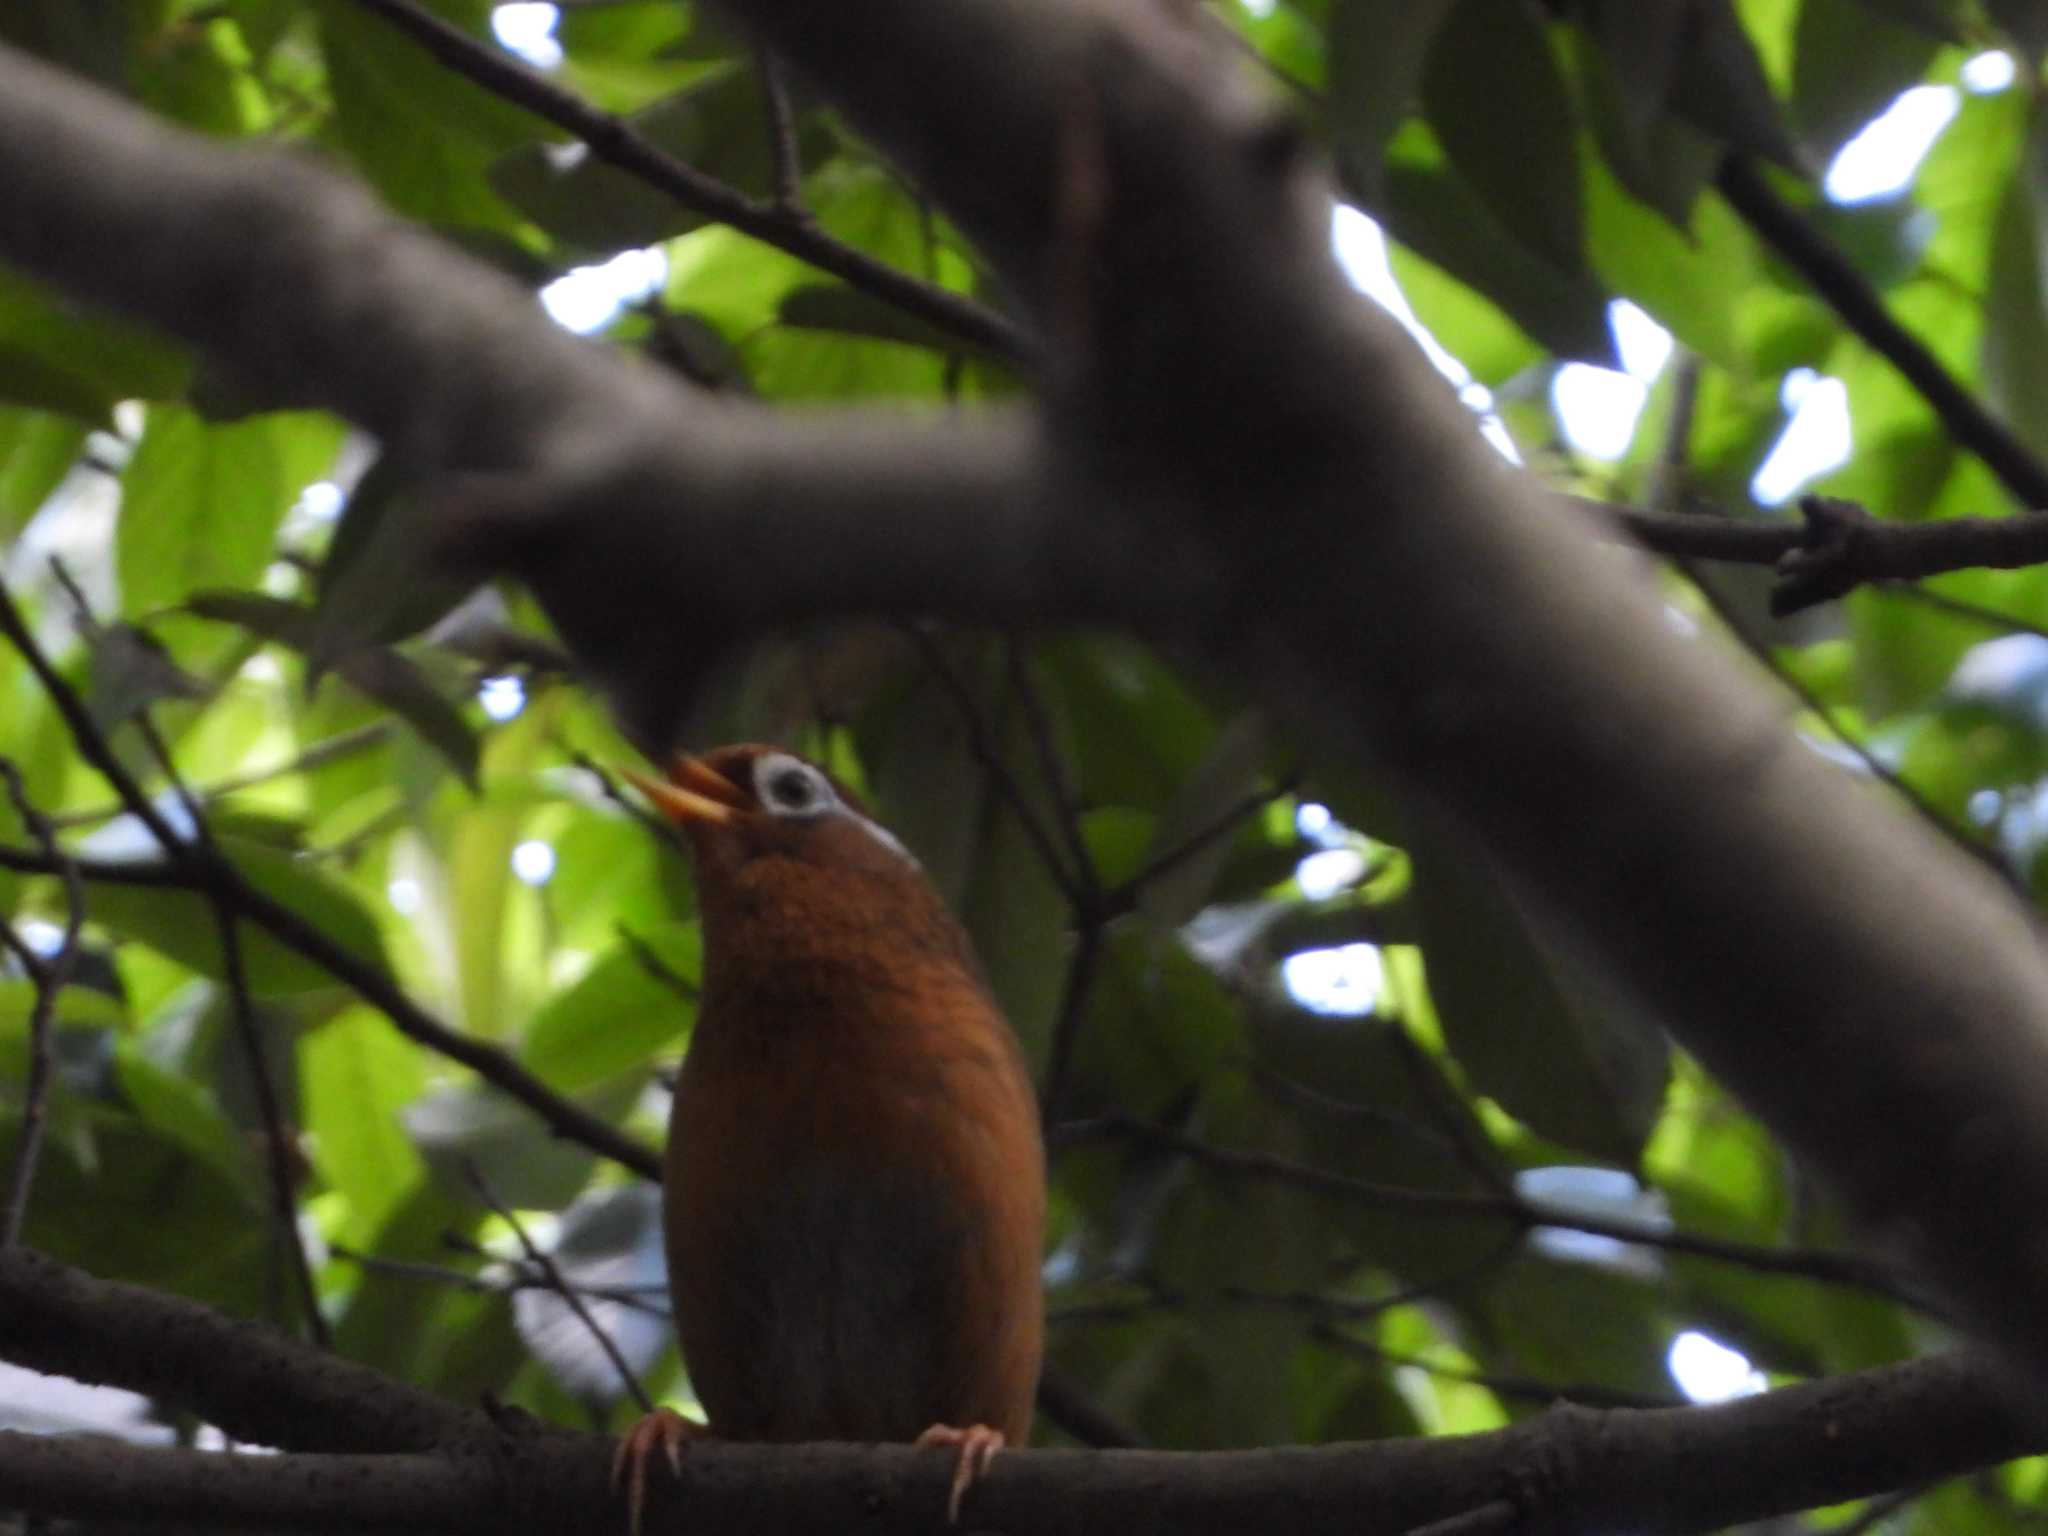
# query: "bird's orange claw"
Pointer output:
{"type": "Point", "coordinates": [975, 1447]}
{"type": "Point", "coordinates": [664, 1430]}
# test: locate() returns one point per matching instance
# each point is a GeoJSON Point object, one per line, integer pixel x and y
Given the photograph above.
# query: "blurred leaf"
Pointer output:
{"type": "Point", "coordinates": [1851, 60]}
{"type": "Point", "coordinates": [1428, 208]}
{"type": "Point", "coordinates": [182, 925]}
{"type": "Point", "coordinates": [146, 1209]}
{"type": "Point", "coordinates": [421, 135]}
{"type": "Point", "coordinates": [1572, 1070]}
{"type": "Point", "coordinates": [55, 356]}
{"type": "Point", "coordinates": [356, 1075]}
{"type": "Point", "coordinates": [850, 312]}
{"type": "Point", "coordinates": [201, 504]}
{"type": "Point", "coordinates": [1376, 58]}
{"type": "Point", "coordinates": [2015, 360]}
{"type": "Point", "coordinates": [525, 1165]}
{"type": "Point", "coordinates": [1502, 112]}
{"type": "Point", "coordinates": [131, 671]}
{"type": "Point", "coordinates": [716, 125]}
{"type": "Point", "coordinates": [1624, 81]}
{"type": "Point", "coordinates": [403, 688]}
{"type": "Point", "coordinates": [627, 1009]}
{"type": "Point", "coordinates": [37, 450]}
{"type": "Point", "coordinates": [1224, 781]}
{"type": "Point", "coordinates": [380, 673]}
{"type": "Point", "coordinates": [181, 1111]}
{"type": "Point", "coordinates": [1722, 88]}
{"type": "Point", "coordinates": [375, 588]}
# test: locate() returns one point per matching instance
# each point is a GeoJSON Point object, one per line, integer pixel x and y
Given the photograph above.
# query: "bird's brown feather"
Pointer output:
{"type": "Point", "coordinates": [856, 1191]}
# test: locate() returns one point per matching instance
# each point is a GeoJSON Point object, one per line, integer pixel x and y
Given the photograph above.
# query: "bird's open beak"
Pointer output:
{"type": "Point", "coordinates": [691, 792]}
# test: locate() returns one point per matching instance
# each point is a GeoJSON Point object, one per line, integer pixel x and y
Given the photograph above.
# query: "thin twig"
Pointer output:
{"type": "Point", "coordinates": [1862, 309]}
{"type": "Point", "coordinates": [650, 1299]}
{"type": "Point", "coordinates": [333, 749]}
{"type": "Point", "coordinates": [49, 977]}
{"type": "Point", "coordinates": [1823, 1265]}
{"type": "Point", "coordinates": [782, 142]}
{"type": "Point", "coordinates": [616, 142]}
{"type": "Point", "coordinates": [559, 1285]}
{"type": "Point", "coordinates": [1976, 613]}
{"type": "Point", "coordinates": [1124, 897]}
{"type": "Point", "coordinates": [1520, 1388]}
{"type": "Point", "coordinates": [1058, 783]}
{"type": "Point", "coordinates": [988, 751]}
{"type": "Point", "coordinates": [1066, 1030]}
{"type": "Point", "coordinates": [652, 963]}
{"type": "Point", "coordinates": [276, 1134]}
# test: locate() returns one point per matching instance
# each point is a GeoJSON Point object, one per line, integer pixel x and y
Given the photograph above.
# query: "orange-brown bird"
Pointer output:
{"type": "Point", "coordinates": [855, 1190]}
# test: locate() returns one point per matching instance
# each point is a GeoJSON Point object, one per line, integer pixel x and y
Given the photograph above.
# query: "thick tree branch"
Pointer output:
{"type": "Point", "coordinates": [1570, 1469]}
{"type": "Point", "coordinates": [459, 373]}
{"type": "Point", "coordinates": [254, 1382]}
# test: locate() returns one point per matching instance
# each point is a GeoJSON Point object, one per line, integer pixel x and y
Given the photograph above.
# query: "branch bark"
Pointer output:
{"type": "Point", "coordinates": [1569, 1469]}
{"type": "Point", "coordinates": [1227, 396]}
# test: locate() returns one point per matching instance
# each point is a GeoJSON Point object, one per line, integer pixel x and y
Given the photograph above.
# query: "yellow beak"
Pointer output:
{"type": "Point", "coordinates": [691, 792]}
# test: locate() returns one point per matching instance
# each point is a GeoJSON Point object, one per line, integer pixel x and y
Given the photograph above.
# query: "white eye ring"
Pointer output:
{"type": "Point", "coordinates": [788, 786]}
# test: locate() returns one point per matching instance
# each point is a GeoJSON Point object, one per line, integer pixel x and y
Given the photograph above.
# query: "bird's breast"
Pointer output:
{"type": "Point", "coordinates": [856, 1210]}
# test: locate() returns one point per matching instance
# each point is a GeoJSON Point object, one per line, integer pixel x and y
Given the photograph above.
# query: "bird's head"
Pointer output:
{"type": "Point", "coordinates": [742, 806]}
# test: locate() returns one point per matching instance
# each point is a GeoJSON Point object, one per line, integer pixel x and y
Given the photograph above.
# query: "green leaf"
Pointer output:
{"type": "Point", "coordinates": [378, 583]}
{"type": "Point", "coordinates": [182, 1111]}
{"type": "Point", "coordinates": [146, 1209]}
{"type": "Point", "coordinates": [1661, 159]}
{"type": "Point", "coordinates": [201, 504]}
{"type": "Point", "coordinates": [56, 356]}
{"type": "Point", "coordinates": [1721, 86]}
{"type": "Point", "coordinates": [37, 450]}
{"type": "Point", "coordinates": [850, 312]}
{"type": "Point", "coordinates": [424, 137]}
{"type": "Point", "coordinates": [1691, 279]}
{"type": "Point", "coordinates": [356, 1075]}
{"type": "Point", "coordinates": [1584, 1075]}
{"type": "Point", "coordinates": [181, 924]}
{"type": "Point", "coordinates": [1439, 217]}
{"type": "Point", "coordinates": [1849, 62]}
{"type": "Point", "coordinates": [1501, 110]}
{"type": "Point", "coordinates": [2015, 357]}
{"type": "Point", "coordinates": [1640, 40]}
{"type": "Point", "coordinates": [1376, 55]}
{"type": "Point", "coordinates": [1224, 781]}
{"type": "Point", "coordinates": [379, 673]}
{"type": "Point", "coordinates": [625, 1011]}
{"type": "Point", "coordinates": [401, 687]}
{"type": "Point", "coordinates": [525, 1165]}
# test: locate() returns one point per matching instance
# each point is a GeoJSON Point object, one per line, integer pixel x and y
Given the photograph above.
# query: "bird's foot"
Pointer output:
{"type": "Point", "coordinates": [663, 1430]}
{"type": "Point", "coordinates": [974, 1448]}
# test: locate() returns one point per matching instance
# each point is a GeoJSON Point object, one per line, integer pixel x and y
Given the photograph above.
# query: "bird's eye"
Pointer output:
{"type": "Point", "coordinates": [790, 788]}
